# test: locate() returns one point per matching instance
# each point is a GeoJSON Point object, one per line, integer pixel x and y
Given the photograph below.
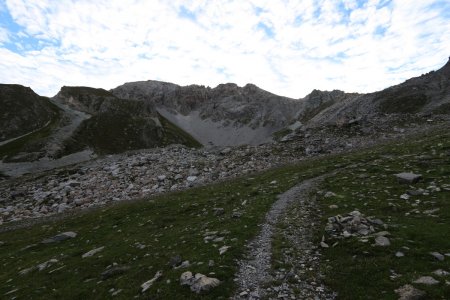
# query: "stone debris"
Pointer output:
{"type": "Point", "coordinates": [352, 224]}
{"type": "Point", "coordinates": [60, 237]}
{"type": "Point", "coordinates": [408, 292]}
{"type": "Point", "coordinates": [408, 178]}
{"type": "Point", "coordinates": [141, 173]}
{"type": "Point", "coordinates": [427, 280]}
{"type": "Point", "coordinates": [146, 285]}
{"type": "Point", "coordinates": [92, 252]}
{"type": "Point", "coordinates": [198, 283]}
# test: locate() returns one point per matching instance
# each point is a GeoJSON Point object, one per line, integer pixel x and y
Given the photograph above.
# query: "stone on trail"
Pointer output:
{"type": "Point", "coordinates": [409, 178]}
{"type": "Point", "coordinates": [408, 292]}
{"type": "Point", "coordinates": [60, 237]}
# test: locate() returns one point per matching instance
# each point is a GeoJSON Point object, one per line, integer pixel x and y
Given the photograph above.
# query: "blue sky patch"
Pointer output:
{"type": "Point", "coordinates": [186, 13]}
{"type": "Point", "coordinates": [267, 30]}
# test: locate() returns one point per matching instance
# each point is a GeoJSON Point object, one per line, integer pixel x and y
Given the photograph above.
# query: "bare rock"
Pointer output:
{"type": "Point", "coordinates": [114, 271]}
{"type": "Point", "coordinates": [146, 285]}
{"type": "Point", "coordinates": [92, 252]}
{"type": "Point", "coordinates": [60, 237]}
{"type": "Point", "coordinates": [408, 178]}
{"type": "Point", "coordinates": [427, 280]}
{"type": "Point", "coordinates": [199, 282]}
{"type": "Point", "coordinates": [408, 292]}
{"type": "Point", "coordinates": [438, 256]}
{"type": "Point", "coordinates": [382, 241]}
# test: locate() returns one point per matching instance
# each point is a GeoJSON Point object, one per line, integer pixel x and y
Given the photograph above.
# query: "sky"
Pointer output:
{"type": "Point", "coordinates": [283, 46]}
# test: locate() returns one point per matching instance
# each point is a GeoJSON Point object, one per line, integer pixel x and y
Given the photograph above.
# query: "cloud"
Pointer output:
{"type": "Point", "coordinates": [287, 47]}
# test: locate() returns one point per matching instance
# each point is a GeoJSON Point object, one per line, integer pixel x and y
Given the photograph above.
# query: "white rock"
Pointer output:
{"type": "Point", "coordinates": [46, 264]}
{"type": "Point", "coordinates": [408, 177]}
{"type": "Point", "coordinates": [329, 195]}
{"type": "Point", "coordinates": [204, 283]}
{"type": "Point", "coordinates": [441, 272]}
{"type": "Point", "coordinates": [382, 241]}
{"type": "Point", "coordinates": [186, 278]}
{"type": "Point", "coordinates": [223, 249]}
{"type": "Point", "coordinates": [146, 285]}
{"type": "Point", "coordinates": [427, 280]}
{"type": "Point", "coordinates": [408, 292]}
{"type": "Point", "coordinates": [438, 256]}
{"type": "Point", "coordinates": [92, 252]}
{"type": "Point", "coordinates": [191, 178]}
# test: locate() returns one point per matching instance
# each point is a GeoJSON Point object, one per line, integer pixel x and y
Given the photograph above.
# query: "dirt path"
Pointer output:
{"type": "Point", "coordinates": [255, 278]}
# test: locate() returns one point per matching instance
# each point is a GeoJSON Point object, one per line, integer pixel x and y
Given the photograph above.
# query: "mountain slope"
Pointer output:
{"type": "Point", "coordinates": [23, 111]}
{"type": "Point", "coordinates": [225, 115]}
{"type": "Point", "coordinates": [117, 125]}
{"type": "Point", "coordinates": [423, 95]}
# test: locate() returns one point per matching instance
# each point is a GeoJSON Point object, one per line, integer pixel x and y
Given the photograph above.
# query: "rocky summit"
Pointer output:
{"type": "Point", "coordinates": [155, 190]}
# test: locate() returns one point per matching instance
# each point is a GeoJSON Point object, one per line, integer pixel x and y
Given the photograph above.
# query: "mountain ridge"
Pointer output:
{"type": "Point", "coordinates": [132, 115]}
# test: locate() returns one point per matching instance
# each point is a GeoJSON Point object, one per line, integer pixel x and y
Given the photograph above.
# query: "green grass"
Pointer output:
{"type": "Point", "coordinates": [125, 126]}
{"type": "Point", "coordinates": [369, 186]}
{"type": "Point", "coordinates": [175, 223]}
{"type": "Point", "coordinates": [404, 100]}
{"type": "Point", "coordinates": [168, 225]}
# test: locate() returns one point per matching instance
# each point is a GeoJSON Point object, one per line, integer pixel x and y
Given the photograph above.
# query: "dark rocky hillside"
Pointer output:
{"type": "Point", "coordinates": [117, 125]}
{"type": "Point", "coordinates": [22, 111]}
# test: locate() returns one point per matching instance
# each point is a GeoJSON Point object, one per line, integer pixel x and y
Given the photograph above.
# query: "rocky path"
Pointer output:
{"type": "Point", "coordinates": [257, 277]}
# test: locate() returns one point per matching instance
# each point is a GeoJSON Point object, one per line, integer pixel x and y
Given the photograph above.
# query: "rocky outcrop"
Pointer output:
{"type": "Point", "coordinates": [224, 115]}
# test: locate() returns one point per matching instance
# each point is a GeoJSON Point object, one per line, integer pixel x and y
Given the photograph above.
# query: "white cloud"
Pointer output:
{"type": "Point", "coordinates": [315, 44]}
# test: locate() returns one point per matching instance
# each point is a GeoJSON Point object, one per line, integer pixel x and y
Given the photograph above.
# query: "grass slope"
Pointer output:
{"type": "Point", "coordinates": [30, 143]}
{"type": "Point", "coordinates": [123, 128]}
{"type": "Point", "coordinates": [143, 235]}
{"type": "Point", "coordinates": [359, 270]}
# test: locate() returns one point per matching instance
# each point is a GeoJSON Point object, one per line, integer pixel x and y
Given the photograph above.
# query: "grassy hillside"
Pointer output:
{"type": "Point", "coordinates": [22, 111]}
{"type": "Point", "coordinates": [142, 236]}
{"type": "Point", "coordinates": [123, 127]}
{"type": "Point", "coordinates": [31, 142]}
